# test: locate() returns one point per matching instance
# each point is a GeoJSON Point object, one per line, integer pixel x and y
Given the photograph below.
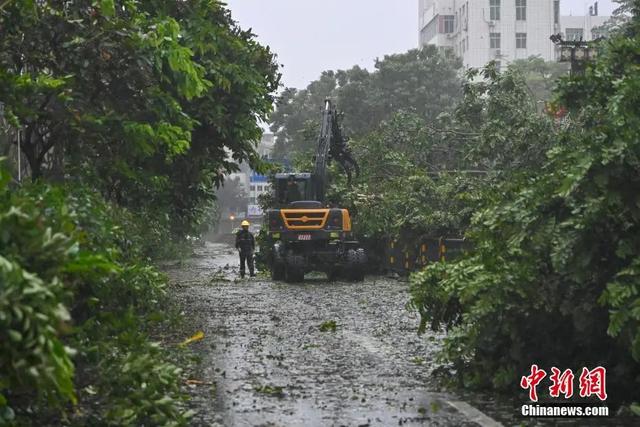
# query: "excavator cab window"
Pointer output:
{"type": "Point", "coordinates": [293, 189]}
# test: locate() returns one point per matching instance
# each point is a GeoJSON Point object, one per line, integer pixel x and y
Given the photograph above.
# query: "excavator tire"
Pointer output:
{"type": "Point", "coordinates": [277, 271]}
{"type": "Point", "coordinates": [277, 265]}
{"type": "Point", "coordinates": [356, 263]}
{"type": "Point", "coordinates": [332, 275]}
{"type": "Point", "coordinates": [294, 269]}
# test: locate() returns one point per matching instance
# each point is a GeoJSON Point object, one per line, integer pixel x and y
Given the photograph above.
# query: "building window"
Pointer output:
{"type": "Point", "coordinates": [446, 24]}
{"type": "Point", "coordinates": [556, 12]}
{"type": "Point", "coordinates": [521, 40]}
{"type": "Point", "coordinates": [260, 187]}
{"type": "Point", "coordinates": [521, 10]}
{"type": "Point", "coordinates": [574, 34]}
{"type": "Point", "coordinates": [252, 188]}
{"type": "Point", "coordinates": [494, 40]}
{"type": "Point", "coordinates": [494, 10]}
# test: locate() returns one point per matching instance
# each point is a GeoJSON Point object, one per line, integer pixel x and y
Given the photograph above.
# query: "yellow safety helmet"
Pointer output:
{"type": "Point", "coordinates": [245, 223]}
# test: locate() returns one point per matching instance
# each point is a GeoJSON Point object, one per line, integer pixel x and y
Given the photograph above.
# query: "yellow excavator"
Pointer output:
{"type": "Point", "coordinates": [306, 235]}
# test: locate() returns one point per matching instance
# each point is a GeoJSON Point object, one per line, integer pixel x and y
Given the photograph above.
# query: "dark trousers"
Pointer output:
{"type": "Point", "coordinates": [248, 257]}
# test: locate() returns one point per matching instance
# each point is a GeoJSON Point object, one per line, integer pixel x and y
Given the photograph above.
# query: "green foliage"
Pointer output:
{"type": "Point", "coordinates": [497, 126]}
{"type": "Point", "coordinates": [270, 390]}
{"type": "Point", "coordinates": [424, 82]}
{"type": "Point", "coordinates": [68, 258]}
{"type": "Point", "coordinates": [618, 20]}
{"type": "Point", "coordinates": [31, 319]}
{"type": "Point", "coordinates": [141, 100]}
{"type": "Point", "coordinates": [553, 278]}
{"type": "Point", "coordinates": [621, 295]}
{"type": "Point", "coordinates": [232, 195]}
{"type": "Point", "coordinates": [138, 109]}
{"type": "Point", "coordinates": [328, 326]}
{"type": "Point", "coordinates": [32, 314]}
{"type": "Point", "coordinates": [424, 177]}
{"type": "Point", "coordinates": [541, 76]}
{"type": "Point", "coordinates": [146, 389]}
{"type": "Point", "coordinates": [263, 256]}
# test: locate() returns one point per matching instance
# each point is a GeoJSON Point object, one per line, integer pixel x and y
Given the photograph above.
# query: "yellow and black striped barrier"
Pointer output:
{"type": "Point", "coordinates": [404, 256]}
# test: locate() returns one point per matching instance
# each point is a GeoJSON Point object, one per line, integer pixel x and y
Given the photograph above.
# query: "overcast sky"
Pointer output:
{"type": "Point", "coordinates": [310, 36]}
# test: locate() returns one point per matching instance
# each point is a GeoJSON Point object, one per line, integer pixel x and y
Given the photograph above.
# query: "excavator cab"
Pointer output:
{"type": "Point", "coordinates": [292, 188]}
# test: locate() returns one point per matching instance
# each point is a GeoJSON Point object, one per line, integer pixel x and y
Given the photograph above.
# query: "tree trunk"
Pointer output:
{"type": "Point", "coordinates": [28, 147]}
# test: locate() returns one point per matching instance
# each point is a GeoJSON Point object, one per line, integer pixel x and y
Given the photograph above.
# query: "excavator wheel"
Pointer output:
{"type": "Point", "coordinates": [293, 275]}
{"type": "Point", "coordinates": [277, 264]}
{"type": "Point", "coordinates": [277, 271]}
{"type": "Point", "coordinates": [294, 269]}
{"type": "Point", "coordinates": [332, 275]}
{"type": "Point", "coordinates": [356, 263]}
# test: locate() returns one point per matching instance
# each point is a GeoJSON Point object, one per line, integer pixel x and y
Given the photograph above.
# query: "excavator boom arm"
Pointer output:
{"type": "Point", "coordinates": [331, 146]}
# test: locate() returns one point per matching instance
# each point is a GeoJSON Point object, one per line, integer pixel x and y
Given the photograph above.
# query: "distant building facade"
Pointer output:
{"type": "Point", "coordinates": [582, 27]}
{"type": "Point", "coordinates": [253, 183]}
{"type": "Point", "coordinates": [265, 148]}
{"type": "Point", "coordinates": [259, 184]}
{"type": "Point", "coordinates": [479, 31]}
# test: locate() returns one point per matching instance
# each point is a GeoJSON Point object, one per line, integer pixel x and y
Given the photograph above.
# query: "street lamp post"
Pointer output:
{"type": "Point", "coordinates": [578, 52]}
{"type": "Point", "coordinates": [232, 218]}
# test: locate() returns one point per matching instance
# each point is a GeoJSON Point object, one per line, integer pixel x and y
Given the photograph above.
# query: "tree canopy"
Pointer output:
{"type": "Point", "coordinates": [151, 102]}
{"type": "Point", "coordinates": [422, 81]}
{"type": "Point", "coordinates": [554, 273]}
{"type": "Point", "coordinates": [129, 114]}
{"type": "Point", "coordinates": [541, 76]}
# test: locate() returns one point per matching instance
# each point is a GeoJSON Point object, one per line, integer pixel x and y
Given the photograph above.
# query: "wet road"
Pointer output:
{"type": "Point", "coordinates": [271, 356]}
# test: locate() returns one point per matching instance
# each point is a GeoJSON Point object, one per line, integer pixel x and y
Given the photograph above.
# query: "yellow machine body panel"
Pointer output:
{"type": "Point", "coordinates": [346, 220]}
{"type": "Point", "coordinates": [311, 219]}
{"type": "Point", "coordinates": [304, 219]}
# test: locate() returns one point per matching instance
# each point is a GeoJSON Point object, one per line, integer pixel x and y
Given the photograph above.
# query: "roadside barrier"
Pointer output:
{"type": "Point", "coordinates": [403, 256]}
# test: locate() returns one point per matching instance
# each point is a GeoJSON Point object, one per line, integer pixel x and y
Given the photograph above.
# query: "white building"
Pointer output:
{"type": "Point", "coordinates": [259, 184]}
{"type": "Point", "coordinates": [265, 148]}
{"type": "Point", "coordinates": [480, 31]}
{"type": "Point", "coordinates": [581, 27]}
{"type": "Point", "coordinates": [254, 184]}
